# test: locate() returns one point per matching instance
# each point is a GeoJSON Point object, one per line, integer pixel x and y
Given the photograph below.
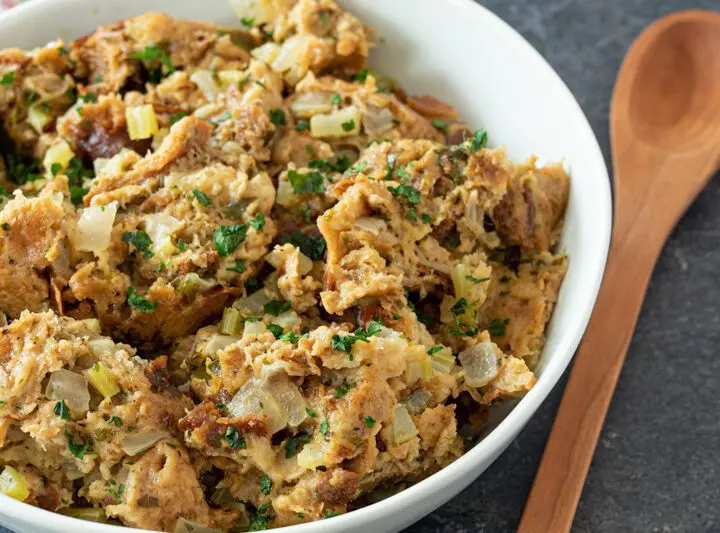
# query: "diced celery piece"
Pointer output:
{"type": "Point", "coordinates": [92, 514]}
{"type": "Point", "coordinates": [13, 484]}
{"type": "Point", "coordinates": [104, 382]}
{"type": "Point", "coordinates": [232, 322]}
{"type": "Point", "coordinates": [141, 122]}
{"type": "Point", "coordinates": [38, 117]}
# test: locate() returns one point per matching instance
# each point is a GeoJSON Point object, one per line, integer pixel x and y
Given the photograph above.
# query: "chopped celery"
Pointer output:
{"type": "Point", "coordinates": [13, 484]}
{"type": "Point", "coordinates": [59, 153]}
{"type": "Point", "coordinates": [232, 322]}
{"type": "Point", "coordinates": [141, 122]}
{"type": "Point", "coordinates": [38, 117]}
{"type": "Point", "coordinates": [92, 514]}
{"type": "Point", "coordinates": [104, 382]}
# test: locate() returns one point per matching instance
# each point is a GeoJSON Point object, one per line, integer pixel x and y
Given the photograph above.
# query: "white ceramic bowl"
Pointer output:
{"type": "Point", "coordinates": [464, 55]}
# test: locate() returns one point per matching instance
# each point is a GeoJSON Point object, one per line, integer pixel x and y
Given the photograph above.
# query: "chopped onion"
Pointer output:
{"type": "Point", "coordinates": [230, 77]}
{"type": "Point", "coordinates": [71, 387]}
{"type": "Point", "coordinates": [38, 117]}
{"type": "Point", "coordinates": [275, 258]}
{"type": "Point", "coordinates": [135, 443]}
{"type": "Point", "coordinates": [141, 122]}
{"type": "Point", "coordinates": [443, 361]}
{"type": "Point", "coordinates": [291, 53]}
{"type": "Point", "coordinates": [121, 162]}
{"type": "Point", "coordinates": [286, 196]}
{"type": "Point", "coordinates": [206, 83]}
{"type": "Point", "coordinates": [311, 456]}
{"type": "Point", "coordinates": [218, 342]}
{"type": "Point", "coordinates": [261, 11]}
{"type": "Point", "coordinates": [94, 227]}
{"type": "Point", "coordinates": [479, 363]}
{"type": "Point", "coordinates": [91, 514]}
{"type": "Point", "coordinates": [288, 396]}
{"type": "Point", "coordinates": [251, 399]}
{"type": "Point", "coordinates": [288, 319]}
{"type": "Point", "coordinates": [342, 123]}
{"type": "Point", "coordinates": [93, 324]}
{"type": "Point", "coordinates": [255, 328]}
{"type": "Point", "coordinates": [403, 426]}
{"type": "Point", "coordinates": [99, 164]}
{"type": "Point", "coordinates": [100, 346]}
{"type": "Point", "coordinates": [59, 153]}
{"type": "Point", "coordinates": [417, 401]}
{"type": "Point", "coordinates": [161, 227]}
{"type": "Point", "coordinates": [377, 121]}
{"type": "Point", "coordinates": [253, 305]}
{"type": "Point", "coordinates": [266, 53]}
{"type": "Point", "coordinates": [373, 225]}
{"type": "Point", "coordinates": [186, 526]}
{"type": "Point", "coordinates": [305, 105]}
{"type": "Point", "coordinates": [420, 367]}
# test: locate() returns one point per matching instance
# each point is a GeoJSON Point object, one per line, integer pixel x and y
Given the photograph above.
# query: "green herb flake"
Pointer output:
{"type": "Point", "coordinates": [239, 266]}
{"type": "Point", "coordinates": [5, 226]}
{"type": "Point", "coordinates": [330, 514]}
{"type": "Point", "coordinates": [259, 521]}
{"type": "Point", "coordinates": [440, 124]}
{"type": "Point", "coordinates": [258, 222]}
{"type": "Point", "coordinates": [411, 214]}
{"type": "Point", "coordinates": [182, 245]}
{"type": "Point", "coordinates": [497, 327]}
{"type": "Point", "coordinates": [61, 410]}
{"type": "Point", "coordinates": [55, 169]}
{"type": "Point", "coordinates": [276, 307]}
{"type": "Point", "coordinates": [476, 280]}
{"type": "Point", "coordinates": [292, 444]}
{"type": "Point", "coordinates": [290, 337]}
{"type": "Point", "coordinates": [406, 191]}
{"type": "Point", "coordinates": [427, 219]}
{"type": "Point", "coordinates": [348, 126]}
{"type": "Point", "coordinates": [227, 238]}
{"type": "Point", "coordinates": [202, 198]}
{"type": "Point", "coordinates": [302, 125]}
{"type": "Point", "coordinates": [7, 79]}
{"type": "Point", "coordinates": [116, 492]}
{"type": "Point", "coordinates": [78, 450]}
{"type": "Point", "coordinates": [478, 140]}
{"type": "Point", "coordinates": [135, 300]}
{"type": "Point", "coordinates": [247, 22]}
{"type": "Point", "coordinates": [276, 330]}
{"type": "Point", "coordinates": [336, 99]}
{"type": "Point", "coordinates": [115, 420]}
{"type": "Point", "coordinates": [396, 316]}
{"type": "Point", "coordinates": [361, 75]}
{"type": "Point", "coordinates": [311, 412]}
{"type": "Point", "coordinates": [140, 240]}
{"type": "Point", "coordinates": [177, 117]}
{"type": "Point", "coordinates": [155, 54]}
{"type": "Point", "coordinates": [265, 484]}
{"type": "Point", "coordinates": [234, 439]}
{"type": "Point", "coordinates": [342, 389]}
{"type": "Point", "coordinates": [310, 183]}
{"type": "Point", "coordinates": [435, 349]}
{"type": "Point", "coordinates": [277, 116]}
{"type": "Point", "coordinates": [324, 428]}
{"type": "Point", "coordinates": [312, 246]}
{"type": "Point", "coordinates": [369, 421]}
{"type": "Point", "coordinates": [459, 307]}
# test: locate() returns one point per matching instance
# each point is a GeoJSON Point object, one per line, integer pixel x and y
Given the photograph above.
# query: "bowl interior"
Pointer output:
{"type": "Point", "coordinates": [464, 55]}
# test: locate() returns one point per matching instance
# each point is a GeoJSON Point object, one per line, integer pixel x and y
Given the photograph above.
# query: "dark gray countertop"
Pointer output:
{"type": "Point", "coordinates": [656, 468]}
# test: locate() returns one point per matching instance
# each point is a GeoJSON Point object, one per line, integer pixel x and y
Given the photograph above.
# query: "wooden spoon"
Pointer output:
{"type": "Point", "coordinates": [665, 128]}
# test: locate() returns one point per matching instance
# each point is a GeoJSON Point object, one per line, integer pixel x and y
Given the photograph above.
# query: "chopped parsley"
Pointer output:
{"type": "Point", "coordinates": [324, 428]}
{"type": "Point", "coordinates": [369, 421]}
{"type": "Point", "coordinates": [336, 99]}
{"type": "Point", "coordinates": [459, 307]}
{"type": "Point", "coordinates": [406, 191]}
{"type": "Point", "coordinates": [427, 219]}
{"type": "Point", "coordinates": [277, 116]}
{"type": "Point", "coordinates": [313, 247]}
{"type": "Point", "coordinates": [348, 126]}
{"type": "Point", "coordinates": [140, 240]}
{"type": "Point", "coordinates": [265, 484]}
{"type": "Point", "coordinates": [476, 280]}
{"type": "Point", "coordinates": [61, 410]}
{"type": "Point", "coordinates": [302, 125]}
{"type": "Point", "coordinates": [290, 337]}
{"type": "Point", "coordinates": [497, 327]}
{"type": "Point", "coordinates": [435, 349]}
{"type": "Point", "coordinates": [247, 22]}
{"type": "Point", "coordinates": [403, 173]}
{"type": "Point", "coordinates": [440, 124]}
{"type": "Point", "coordinates": [115, 420]}
{"type": "Point", "coordinates": [258, 222]}
{"type": "Point", "coordinates": [182, 245]}
{"type": "Point", "coordinates": [116, 492]}
{"type": "Point", "coordinates": [202, 198]}
{"type": "Point", "coordinates": [77, 449]}
{"type": "Point", "coordinates": [276, 330]}
{"type": "Point", "coordinates": [344, 343]}
{"type": "Point", "coordinates": [311, 412]}
{"type": "Point", "coordinates": [342, 389]}
{"type": "Point", "coordinates": [176, 117]}
{"type": "Point", "coordinates": [330, 514]}
{"type": "Point", "coordinates": [234, 439]}
{"type": "Point", "coordinates": [341, 164]}
{"type": "Point", "coordinates": [411, 214]}
{"type": "Point", "coordinates": [5, 226]}
{"type": "Point", "coordinates": [276, 307]}
{"type": "Point", "coordinates": [55, 169]}
{"type": "Point", "coordinates": [259, 521]}
{"type": "Point", "coordinates": [227, 238]}
{"type": "Point", "coordinates": [396, 316]}
{"type": "Point", "coordinates": [89, 98]}
{"type": "Point", "coordinates": [239, 266]}
{"type": "Point", "coordinates": [8, 78]}
{"type": "Point", "coordinates": [478, 140]}
{"type": "Point", "coordinates": [155, 55]}
{"type": "Point", "coordinates": [20, 171]}
{"type": "Point", "coordinates": [291, 445]}
{"type": "Point", "coordinates": [361, 75]}
{"type": "Point", "coordinates": [310, 183]}
{"type": "Point", "coordinates": [135, 300]}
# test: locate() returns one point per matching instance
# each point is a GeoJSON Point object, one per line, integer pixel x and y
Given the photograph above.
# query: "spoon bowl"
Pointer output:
{"type": "Point", "coordinates": [665, 128]}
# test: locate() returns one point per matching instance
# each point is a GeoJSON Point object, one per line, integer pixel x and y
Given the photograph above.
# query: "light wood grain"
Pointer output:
{"type": "Point", "coordinates": [665, 128]}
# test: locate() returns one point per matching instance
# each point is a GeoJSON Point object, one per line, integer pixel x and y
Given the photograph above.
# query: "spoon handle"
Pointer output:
{"type": "Point", "coordinates": [569, 451]}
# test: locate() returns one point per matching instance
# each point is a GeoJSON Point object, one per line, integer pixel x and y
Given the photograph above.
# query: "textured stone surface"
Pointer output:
{"type": "Point", "coordinates": [656, 468]}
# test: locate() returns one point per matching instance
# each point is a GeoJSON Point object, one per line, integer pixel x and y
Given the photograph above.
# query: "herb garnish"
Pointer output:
{"type": "Point", "coordinates": [138, 302]}
{"type": "Point", "coordinates": [140, 240]}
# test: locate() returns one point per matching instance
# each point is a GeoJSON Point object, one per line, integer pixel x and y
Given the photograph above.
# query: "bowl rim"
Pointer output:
{"type": "Point", "coordinates": [494, 443]}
